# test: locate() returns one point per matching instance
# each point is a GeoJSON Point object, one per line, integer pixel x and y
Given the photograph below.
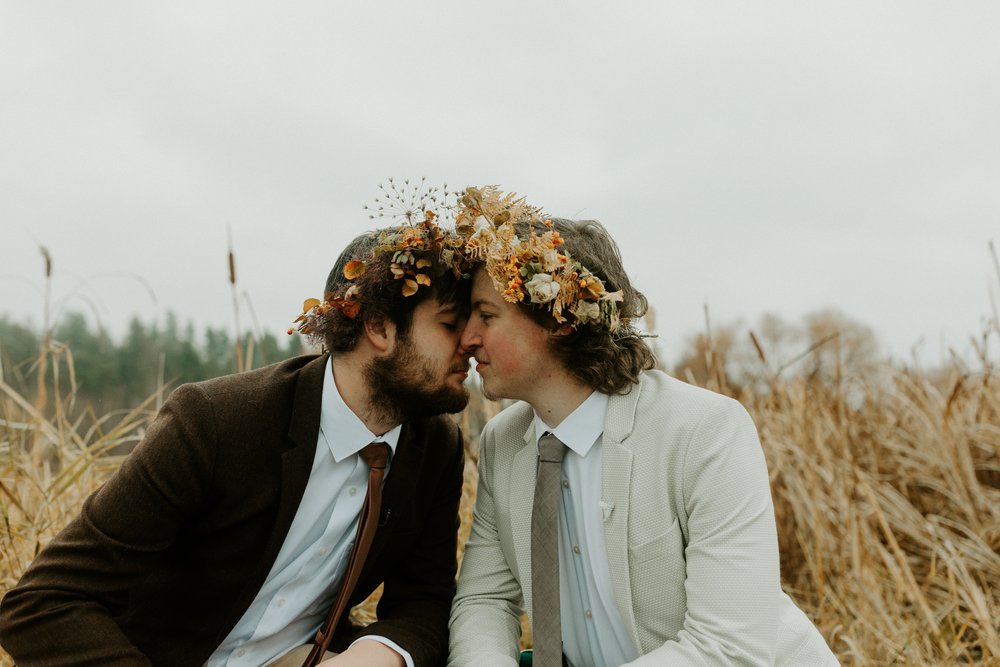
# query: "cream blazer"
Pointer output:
{"type": "Point", "coordinates": [689, 530]}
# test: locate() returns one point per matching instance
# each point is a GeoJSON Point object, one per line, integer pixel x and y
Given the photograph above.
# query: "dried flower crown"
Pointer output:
{"type": "Point", "coordinates": [421, 251]}
{"type": "Point", "coordinates": [532, 270]}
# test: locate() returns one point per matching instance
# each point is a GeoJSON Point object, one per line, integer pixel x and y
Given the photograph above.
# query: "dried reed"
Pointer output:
{"type": "Point", "coordinates": [887, 501]}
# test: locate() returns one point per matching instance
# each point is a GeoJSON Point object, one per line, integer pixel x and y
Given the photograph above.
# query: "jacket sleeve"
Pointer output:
{"type": "Point", "coordinates": [732, 582]}
{"type": "Point", "coordinates": [485, 617]}
{"type": "Point", "coordinates": [66, 607]}
{"type": "Point", "coordinates": [418, 590]}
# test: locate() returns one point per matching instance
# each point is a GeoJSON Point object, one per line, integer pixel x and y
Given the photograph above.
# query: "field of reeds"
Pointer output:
{"type": "Point", "coordinates": [886, 490]}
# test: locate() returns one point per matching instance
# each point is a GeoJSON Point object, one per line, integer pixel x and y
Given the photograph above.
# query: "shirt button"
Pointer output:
{"type": "Point", "coordinates": [323, 551]}
{"type": "Point", "coordinates": [352, 491]}
{"type": "Point", "coordinates": [280, 602]}
{"type": "Point", "coordinates": [576, 548]}
{"type": "Point", "coordinates": [565, 483]}
{"type": "Point", "coordinates": [588, 614]}
{"type": "Point", "coordinates": [242, 652]}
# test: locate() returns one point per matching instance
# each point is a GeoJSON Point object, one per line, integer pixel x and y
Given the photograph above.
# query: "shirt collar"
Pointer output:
{"type": "Point", "coordinates": [344, 432]}
{"type": "Point", "coordinates": [581, 429]}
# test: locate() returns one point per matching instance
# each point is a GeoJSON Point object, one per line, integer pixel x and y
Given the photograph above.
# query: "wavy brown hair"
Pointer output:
{"type": "Point", "coordinates": [380, 294]}
{"type": "Point", "coordinates": [608, 362]}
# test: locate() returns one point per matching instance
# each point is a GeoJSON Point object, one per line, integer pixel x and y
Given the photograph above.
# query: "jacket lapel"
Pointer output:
{"type": "Point", "coordinates": [521, 492]}
{"type": "Point", "coordinates": [297, 458]}
{"type": "Point", "coordinates": [616, 475]}
{"type": "Point", "coordinates": [296, 464]}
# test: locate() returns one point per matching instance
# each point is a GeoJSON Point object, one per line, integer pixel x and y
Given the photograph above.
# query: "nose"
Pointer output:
{"type": "Point", "coordinates": [471, 338]}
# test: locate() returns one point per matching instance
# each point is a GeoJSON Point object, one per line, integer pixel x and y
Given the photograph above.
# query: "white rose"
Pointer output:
{"type": "Point", "coordinates": [587, 311]}
{"type": "Point", "coordinates": [481, 223]}
{"type": "Point", "coordinates": [542, 288]}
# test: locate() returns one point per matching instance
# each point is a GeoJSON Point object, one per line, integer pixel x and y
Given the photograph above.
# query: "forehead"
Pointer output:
{"type": "Point", "coordinates": [485, 295]}
{"type": "Point", "coordinates": [484, 292]}
{"type": "Point", "coordinates": [431, 308]}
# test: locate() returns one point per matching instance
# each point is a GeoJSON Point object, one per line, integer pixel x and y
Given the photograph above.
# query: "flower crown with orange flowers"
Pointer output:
{"type": "Point", "coordinates": [420, 249]}
{"type": "Point", "coordinates": [532, 270]}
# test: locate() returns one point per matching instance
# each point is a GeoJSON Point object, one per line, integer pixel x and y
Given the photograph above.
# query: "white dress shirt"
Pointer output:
{"type": "Point", "coordinates": [305, 577]}
{"type": "Point", "coordinates": [593, 631]}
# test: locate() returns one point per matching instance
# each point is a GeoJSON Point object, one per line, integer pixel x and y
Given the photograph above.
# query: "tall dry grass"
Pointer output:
{"type": "Point", "coordinates": [887, 500]}
{"type": "Point", "coordinates": [49, 463]}
{"type": "Point", "coordinates": [886, 490]}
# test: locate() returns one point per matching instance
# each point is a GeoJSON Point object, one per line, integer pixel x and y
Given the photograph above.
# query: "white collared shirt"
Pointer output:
{"type": "Point", "coordinates": [305, 577]}
{"type": "Point", "coordinates": [593, 631]}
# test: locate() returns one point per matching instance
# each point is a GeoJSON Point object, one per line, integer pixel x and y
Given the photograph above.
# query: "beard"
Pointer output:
{"type": "Point", "coordinates": [404, 386]}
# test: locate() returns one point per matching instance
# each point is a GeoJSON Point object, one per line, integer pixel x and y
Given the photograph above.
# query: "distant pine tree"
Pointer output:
{"type": "Point", "coordinates": [112, 375]}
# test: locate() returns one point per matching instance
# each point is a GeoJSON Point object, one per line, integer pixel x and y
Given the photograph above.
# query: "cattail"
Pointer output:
{"type": "Point", "coordinates": [48, 261]}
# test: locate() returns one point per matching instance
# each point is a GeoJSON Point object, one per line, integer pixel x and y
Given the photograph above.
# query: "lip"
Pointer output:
{"type": "Point", "coordinates": [480, 365]}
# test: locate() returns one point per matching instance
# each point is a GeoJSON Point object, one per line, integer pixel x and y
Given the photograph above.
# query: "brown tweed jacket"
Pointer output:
{"type": "Point", "coordinates": [164, 559]}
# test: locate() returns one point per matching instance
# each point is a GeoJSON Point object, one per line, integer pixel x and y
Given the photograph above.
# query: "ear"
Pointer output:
{"type": "Point", "coordinates": [381, 334]}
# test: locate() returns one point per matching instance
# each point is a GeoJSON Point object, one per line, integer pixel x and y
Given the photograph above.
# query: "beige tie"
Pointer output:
{"type": "Point", "coordinates": [546, 627]}
{"type": "Point", "coordinates": [376, 455]}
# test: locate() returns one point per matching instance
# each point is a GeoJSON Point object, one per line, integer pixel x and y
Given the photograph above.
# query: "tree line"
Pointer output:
{"type": "Point", "coordinates": [94, 368]}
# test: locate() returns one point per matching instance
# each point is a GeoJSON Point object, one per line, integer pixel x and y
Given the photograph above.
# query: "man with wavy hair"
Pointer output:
{"type": "Point", "coordinates": [227, 535]}
{"type": "Point", "coordinates": [627, 512]}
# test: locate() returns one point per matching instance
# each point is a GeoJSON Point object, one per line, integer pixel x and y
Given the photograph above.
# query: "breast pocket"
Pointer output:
{"type": "Point", "coordinates": [657, 571]}
{"type": "Point", "coordinates": [668, 544]}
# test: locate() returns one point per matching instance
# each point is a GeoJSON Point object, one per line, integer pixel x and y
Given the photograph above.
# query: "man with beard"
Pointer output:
{"type": "Point", "coordinates": [228, 534]}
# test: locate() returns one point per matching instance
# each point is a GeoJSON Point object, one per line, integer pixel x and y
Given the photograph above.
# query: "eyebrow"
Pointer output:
{"type": "Point", "coordinates": [479, 303]}
{"type": "Point", "coordinates": [447, 308]}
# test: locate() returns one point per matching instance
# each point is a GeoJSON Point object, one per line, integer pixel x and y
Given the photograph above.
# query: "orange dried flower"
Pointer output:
{"type": "Point", "coordinates": [354, 269]}
{"type": "Point", "coordinates": [351, 308]}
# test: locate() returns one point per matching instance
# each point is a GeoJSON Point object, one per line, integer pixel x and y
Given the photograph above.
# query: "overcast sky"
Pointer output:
{"type": "Point", "coordinates": [757, 157]}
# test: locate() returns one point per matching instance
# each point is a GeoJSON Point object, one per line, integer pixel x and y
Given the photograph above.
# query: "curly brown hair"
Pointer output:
{"type": "Point", "coordinates": [608, 362]}
{"type": "Point", "coordinates": [380, 294]}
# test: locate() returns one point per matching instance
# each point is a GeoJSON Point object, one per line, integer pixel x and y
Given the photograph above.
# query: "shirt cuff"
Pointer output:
{"type": "Point", "coordinates": [391, 644]}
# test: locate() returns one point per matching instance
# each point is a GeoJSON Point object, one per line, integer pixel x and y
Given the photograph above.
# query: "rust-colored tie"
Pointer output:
{"type": "Point", "coordinates": [376, 455]}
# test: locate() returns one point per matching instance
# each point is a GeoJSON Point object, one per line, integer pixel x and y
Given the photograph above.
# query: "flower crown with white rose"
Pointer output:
{"type": "Point", "coordinates": [533, 270]}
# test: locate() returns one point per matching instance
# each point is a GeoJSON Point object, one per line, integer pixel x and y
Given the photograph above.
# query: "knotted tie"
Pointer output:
{"type": "Point", "coordinates": [546, 625]}
{"type": "Point", "coordinates": [376, 455]}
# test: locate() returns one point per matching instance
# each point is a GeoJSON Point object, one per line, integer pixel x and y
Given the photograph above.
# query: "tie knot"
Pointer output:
{"type": "Point", "coordinates": [376, 454]}
{"type": "Point", "coordinates": [551, 449]}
